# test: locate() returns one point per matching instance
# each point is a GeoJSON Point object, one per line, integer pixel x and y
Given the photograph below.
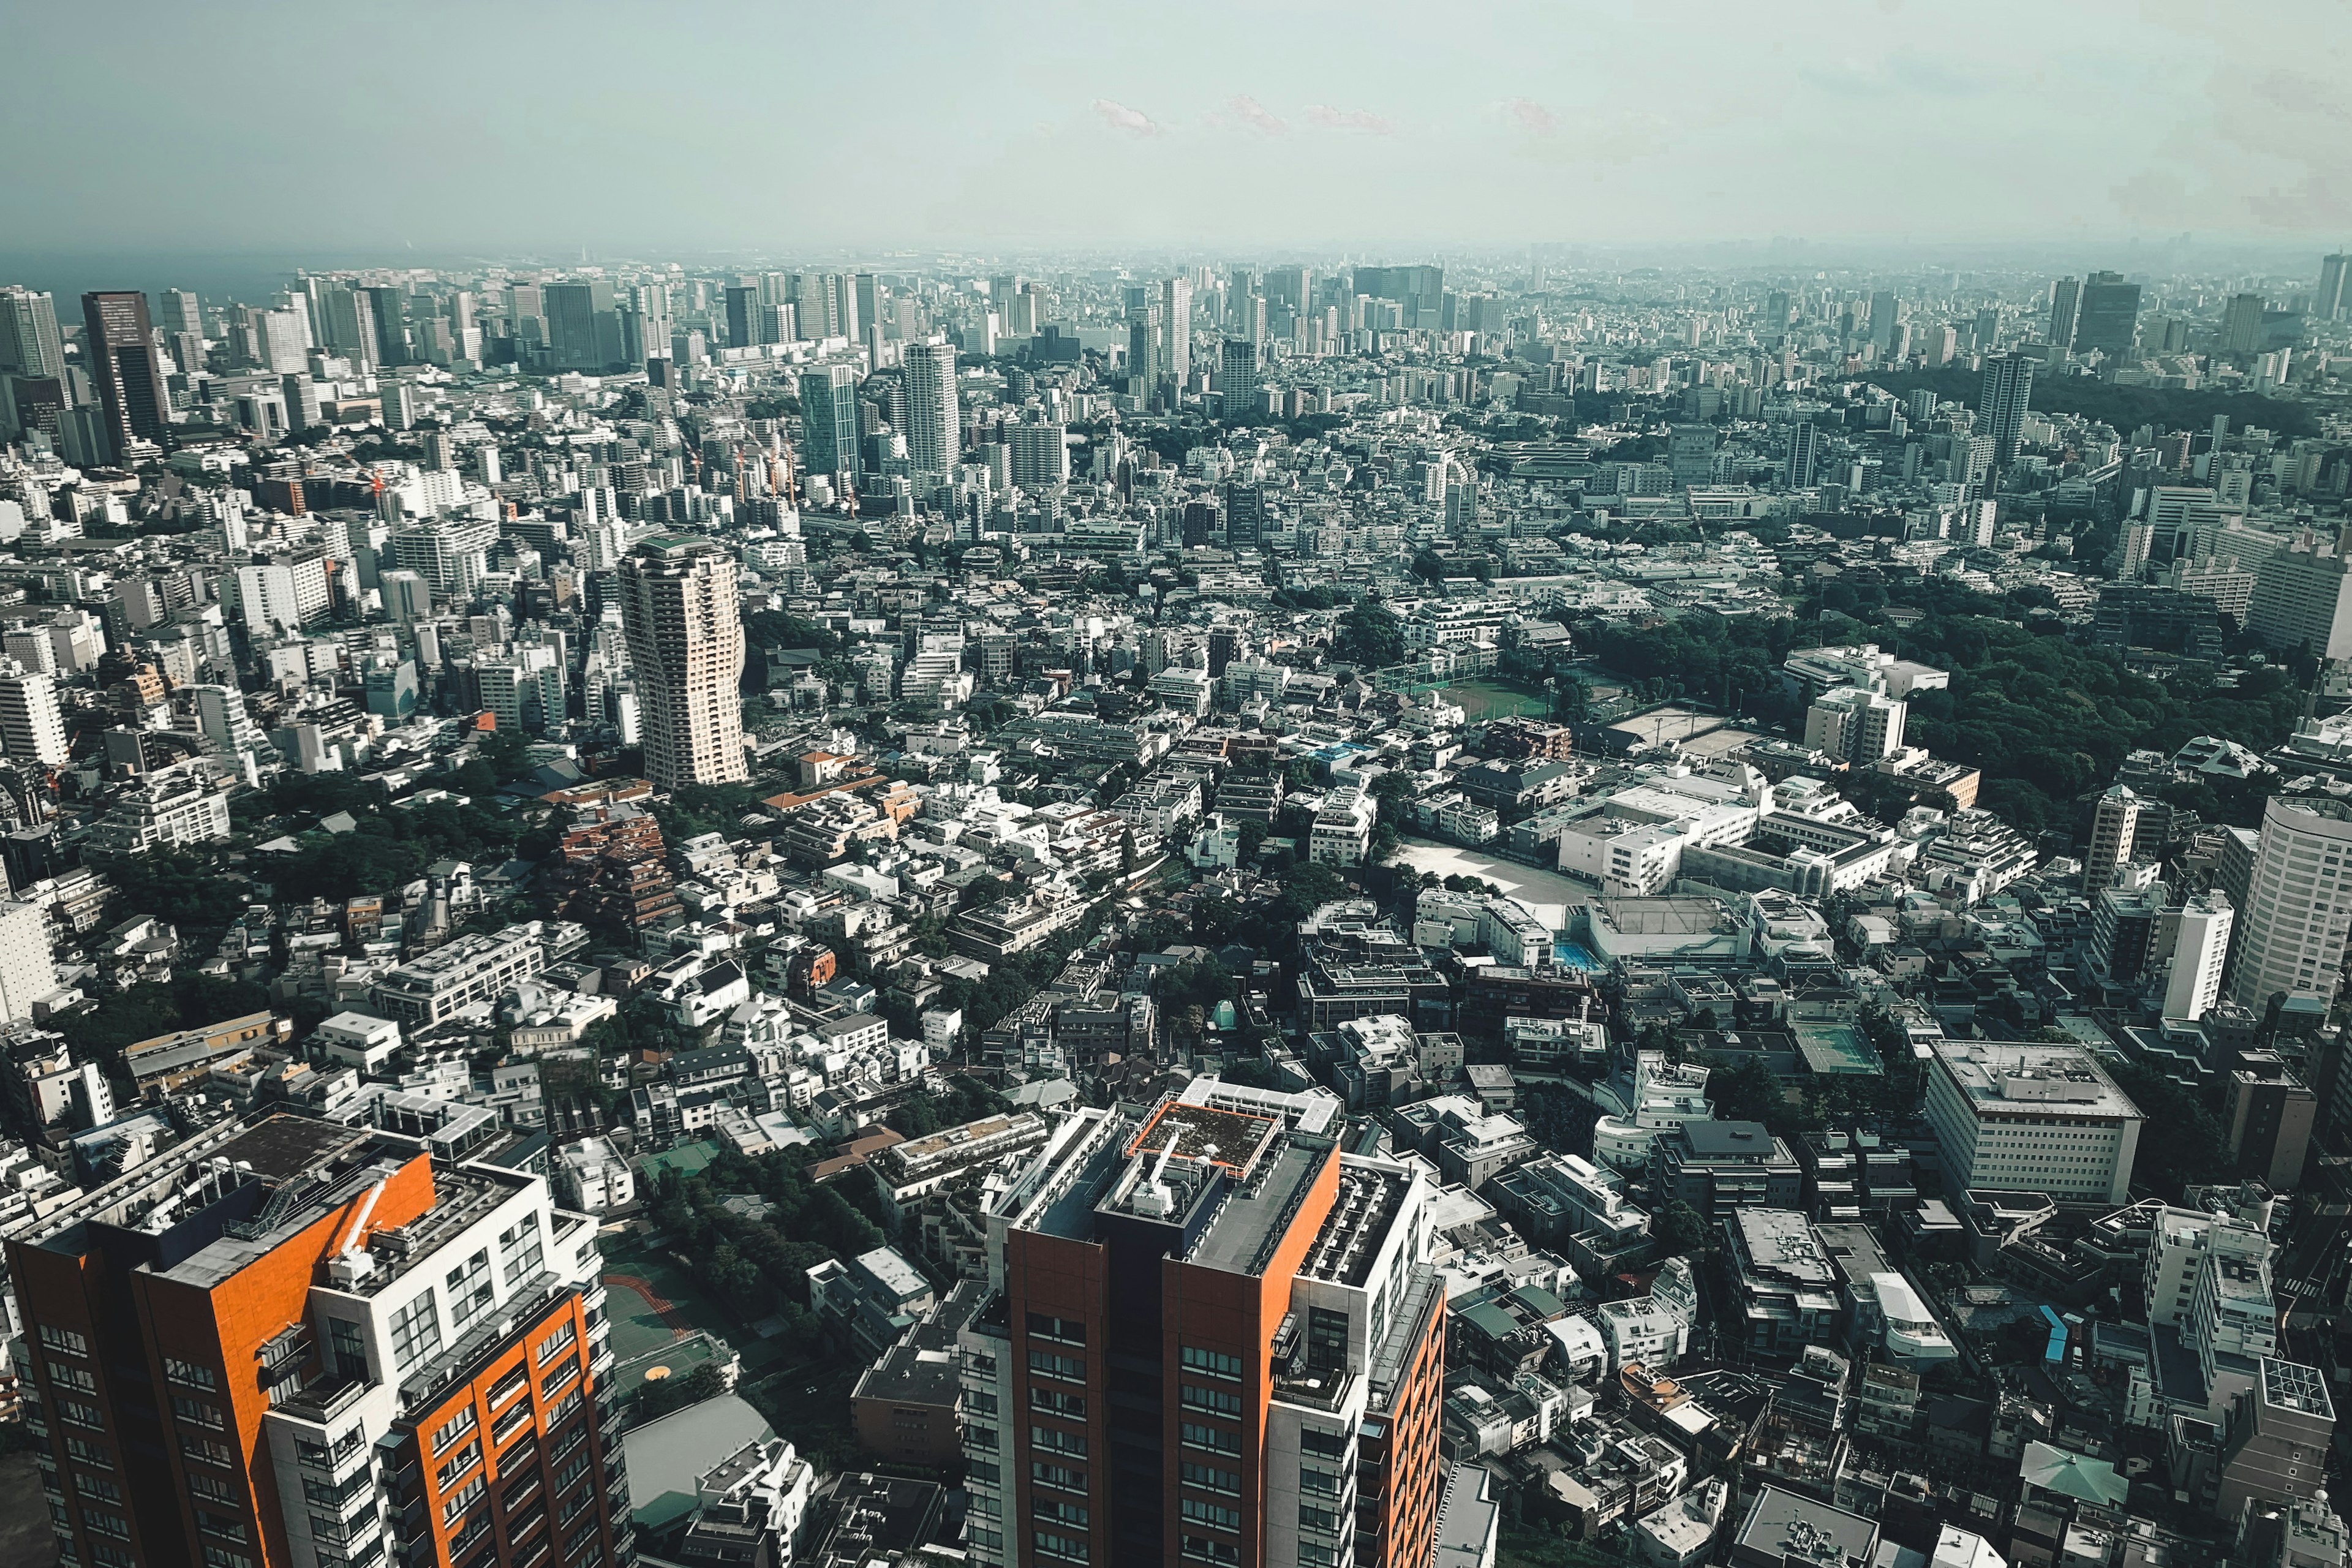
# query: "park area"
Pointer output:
{"type": "Point", "coordinates": [1483, 699]}
{"type": "Point", "coordinates": [664, 1326]}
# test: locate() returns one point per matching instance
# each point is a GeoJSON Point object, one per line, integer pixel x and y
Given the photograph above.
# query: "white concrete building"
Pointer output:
{"type": "Point", "coordinates": [2031, 1117]}
{"type": "Point", "coordinates": [2298, 902]}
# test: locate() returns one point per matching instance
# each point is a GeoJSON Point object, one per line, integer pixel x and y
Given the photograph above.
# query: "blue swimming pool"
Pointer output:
{"type": "Point", "coordinates": [1575, 955]}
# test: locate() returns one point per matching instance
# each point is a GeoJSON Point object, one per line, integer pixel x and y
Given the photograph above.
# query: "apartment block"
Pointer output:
{"type": "Point", "coordinates": [294, 1342]}
{"type": "Point", "coordinates": [1265, 1309]}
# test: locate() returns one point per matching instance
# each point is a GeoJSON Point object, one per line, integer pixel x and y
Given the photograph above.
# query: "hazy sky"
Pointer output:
{"type": "Point", "coordinates": [487, 129]}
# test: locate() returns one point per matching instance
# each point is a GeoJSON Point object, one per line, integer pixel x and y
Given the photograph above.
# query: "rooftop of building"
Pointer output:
{"type": "Point", "coordinates": [2013, 1078]}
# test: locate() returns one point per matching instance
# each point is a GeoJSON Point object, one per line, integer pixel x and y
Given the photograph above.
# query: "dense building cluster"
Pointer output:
{"type": "Point", "coordinates": [1337, 914]}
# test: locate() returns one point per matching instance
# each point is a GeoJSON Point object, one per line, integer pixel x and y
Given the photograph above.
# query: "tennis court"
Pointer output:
{"type": "Point", "coordinates": [1838, 1048]}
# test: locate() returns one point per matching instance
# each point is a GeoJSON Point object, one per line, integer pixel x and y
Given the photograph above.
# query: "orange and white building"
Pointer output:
{"type": "Point", "coordinates": [294, 1345]}
{"type": "Point", "coordinates": [1218, 1341]}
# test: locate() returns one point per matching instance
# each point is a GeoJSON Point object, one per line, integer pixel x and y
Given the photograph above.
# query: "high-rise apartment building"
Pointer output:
{"type": "Point", "coordinates": [293, 1342]}
{"type": "Point", "coordinates": [685, 631]}
{"type": "Point", "coordinates": [128, 368]}
{"type": "Point", "coordinates": [27, 971]}
{"type": "Point", "coordinates": [1040, 454]}
{"type": "Point", "coordinates": [30, 344]}
{"type": "Point", "coordinates": [2302, 598]}
{"type": "Point", "coordinates": [934, 423]}
{"type": "Point", "coordinates": [829, 421]}
{"type": "Point", "coordinates": [2109, 319]}
{"type": "Point", "coordinates": [1237, 375]}
{"type": "Point", "coordinates": [2115, 826]}
{"type": "Point", "coordinates": [2006, 397]}
{"type": "Point", "coordinates": [31, 726]}
{"type": "Point", "coordinates": [1220, 1341]}
{"type": "Point", "coordinates": [2298, 902]}
{"type": "Point", "coordinates": [2241, 324]}
{"type": "Point", "coordinates": [2200, 955]}
{"type": "Point", "coordinates": [1176, 330]}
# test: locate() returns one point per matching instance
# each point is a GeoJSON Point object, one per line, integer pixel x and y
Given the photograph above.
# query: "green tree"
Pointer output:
{"type": "Point", "coordinates": [1371, 634]}
{"type": "Point", "coordinates": [1679, 1230]}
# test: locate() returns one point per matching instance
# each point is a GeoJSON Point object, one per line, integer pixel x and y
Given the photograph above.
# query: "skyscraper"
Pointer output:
{"type": "Point", "coordinates": [582, 333]}
{"type": "Point", "coordinates": [2110, 316]}
{"type": "Point", "coordinates": [1804, 454]}
{"type": "Point", "coordinates": [2241, 324]}
{"type": "Point", "coordinates": [829, 421]}
{"type": "Point", "coordinates": [183, 313]}
{"type": "Point", "coordinates": [1776, 313]}
{"type": "Point", "coordinates": [321, 1344]}
{"type": "Point", "coordinates": [2198, 952]}
{"type": "Point", "coordinates": [2002, 402]}
{"type": "Point", "coordinates": [934, 424]}
{"type": "Point", "coordinates": [2298, 902]}
{"type": "Point", "coordinates": [1144, 354]}
{"type": "Point", "coordinates": [2065, 300]}
{"type": "Point", "coordinates": [1040, 456]}
{"type": "Point", "coordinates": [1885, 310]}
{"type": "Point", "coordinates": [1216, 1329]}
{"type": "Point", "coordinates": [685, 632]}
{"type": "Point", "coordinates": [743, 309]}
{"type": "Point", "coordinates": [2334, 297]}
{"type": "Point", "coordinates": [1237, 376]}
{"type": "Point", "coordinates": [1176, 330]}
{"type": "Point", "coordinates": [30, 344]}
{"type": "Point", "coordinates": [128, 368]}
{"type": "Point", "coordinates": [389, 319]}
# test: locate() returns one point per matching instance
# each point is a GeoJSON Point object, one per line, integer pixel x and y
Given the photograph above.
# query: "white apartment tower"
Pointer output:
{"type": "Point", "coordinates": [934, 427]}
{"type": "Point", "coordinates": [31, 728]}
{"type": "Point", "coordinates": [2198, 955]}
{"type": "Point", "coordinates": [2298, 902]}
{"type": "Point", "coordinates": [686, 644]}
{"type": "Point", "coordinates": [1855, 725]}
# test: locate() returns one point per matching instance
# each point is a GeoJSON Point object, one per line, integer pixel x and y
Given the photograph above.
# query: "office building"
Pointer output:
{"type": "Point", "coordinates": [934, 428]}
{"type": "Point", "coordinates": [1221, 1342]}
{"type": "Point", "coordinates": [2065, 298]}
{"type": "Point", "coordinates": [2241, 324]}
{"type": "Point", "coordinates": [2299, 903]}
{"type": "Point", "coordinates": [2334, 299]}
{"type": "Point", "coordinates": [829, 421]}
{"type": "Point", "coordinates": [2003, 402]}
{"type": "Point", "coordinates": [129, 370]}
{"type": "Point", "coordinates": [32, 728]}
{"type": "Point", "coordinates": [2267, 1114]}
{"type": "Point", "coordinates": [2109, 320]}
{"type": "Point", "coordinates": [30, 344]}
{"type": "Point", "coordinates": [1885, 312]}
{"type": "Point", "coordinates": [2278, 1436]}
{"type": "Point", "coordinates": [685, 631]}
{"type": "Point", "coordinates": [2115, 827]}
{"type": "Point", "coordinates": [2030, 1117]}
{"type": "Point", "coordinates": [1145, 357]}
{"type": "Point", "coordinates": [293, 1341]}
{"type": "Point", "coordinates": [387, 318]}
{"type": "Point", "coordinates": [582, 333]}
{"type": "Point", "coordinates": [1804, 454]}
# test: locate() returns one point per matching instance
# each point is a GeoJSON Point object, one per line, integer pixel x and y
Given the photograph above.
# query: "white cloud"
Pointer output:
{"type": "Point", "coordinates": [1256, 115]}
{"type": "Point", "coordinates": [1119, 117]}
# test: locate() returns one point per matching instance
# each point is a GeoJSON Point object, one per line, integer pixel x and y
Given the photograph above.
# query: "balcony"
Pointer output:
{"type": "Point", "coordinates": [322, 1402]}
